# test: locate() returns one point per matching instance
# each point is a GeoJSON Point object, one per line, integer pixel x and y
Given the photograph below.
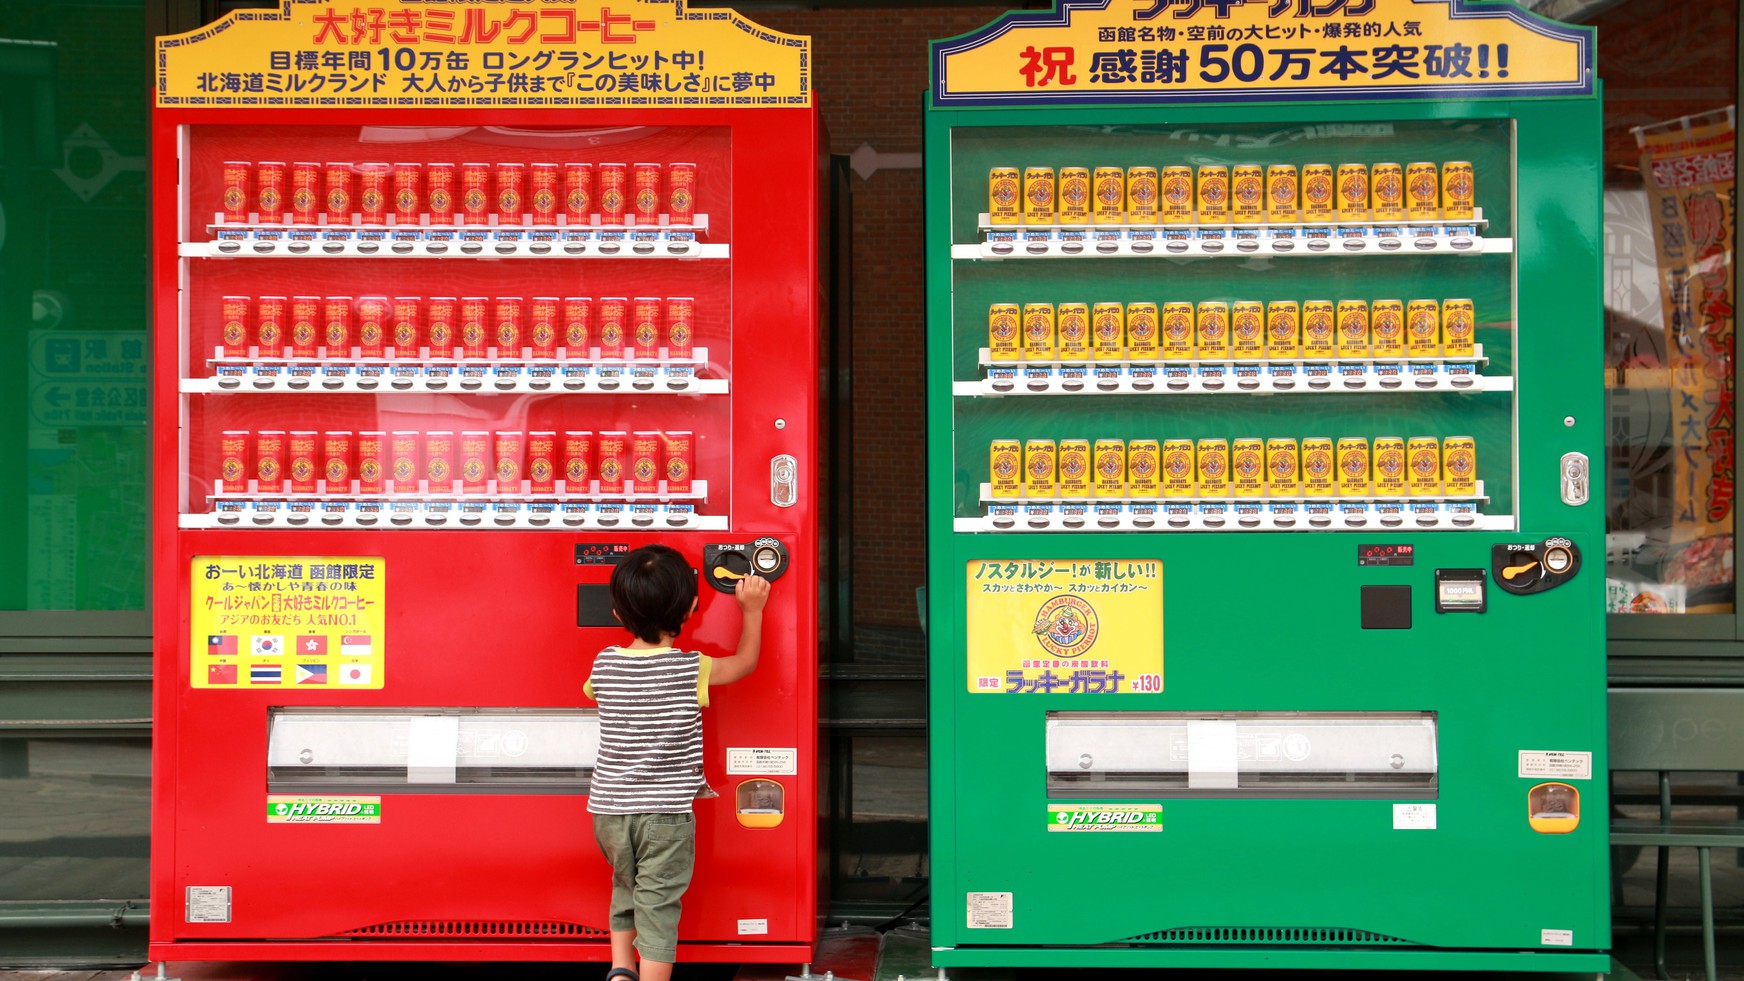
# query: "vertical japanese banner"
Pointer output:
{"type": "Point", "coordinates": [1065, 626]}
{"type": "Point", "coordinates": [287, 621]}
{"type": "Point", "coordinates": [1689, 167]}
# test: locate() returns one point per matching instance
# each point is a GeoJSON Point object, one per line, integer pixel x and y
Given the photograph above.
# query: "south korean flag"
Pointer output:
{"type": "Point", "coordinates": [267, 645]}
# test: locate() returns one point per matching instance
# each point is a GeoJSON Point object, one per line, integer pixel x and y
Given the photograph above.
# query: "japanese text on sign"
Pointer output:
{"type": "Point", "coordinates": [287, 621]}
{"type": "Point", "coordinates": [1057, 626]}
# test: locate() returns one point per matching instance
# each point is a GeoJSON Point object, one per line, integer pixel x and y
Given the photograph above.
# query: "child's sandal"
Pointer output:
{"type": "Point", "coordinates": [622, 972]}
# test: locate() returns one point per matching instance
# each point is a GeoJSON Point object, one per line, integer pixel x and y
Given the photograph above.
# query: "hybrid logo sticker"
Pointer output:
{"type": "Point", "coordinates": [1066, 626]}
{"type": "Point", "coordinates": [1105, 817]}
{"type": "Point", "coordinates": [323, 810]}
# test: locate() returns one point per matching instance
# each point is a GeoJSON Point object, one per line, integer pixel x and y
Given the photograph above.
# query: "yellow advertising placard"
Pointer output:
{"type": "Point", "coordinates": [530, 54]}
{"type": "Point", "coordinates": [1065, 626]}
{"type": "Point", "coordinates": [287, 621]}
{"type": "Point", "coordinates": [1122, 51]}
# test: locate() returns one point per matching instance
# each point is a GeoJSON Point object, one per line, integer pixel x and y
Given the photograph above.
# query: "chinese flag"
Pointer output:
{"type": "Point", "coordinates": [221, 674]}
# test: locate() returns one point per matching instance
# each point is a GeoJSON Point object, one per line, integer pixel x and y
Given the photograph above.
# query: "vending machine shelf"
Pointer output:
{"type": "Point", "coordinates": [1194, 377]}
{"type": "Point", "coordinates": [453, 515]}
{"type": "Point", "coordinates": [1124, 243]}
{"type": "Point", "coordinates": [484, 243]}
{"type": "Point", "coordinates": [520, 376]}
{"type": "Point", "coordinates": [1236, 516]}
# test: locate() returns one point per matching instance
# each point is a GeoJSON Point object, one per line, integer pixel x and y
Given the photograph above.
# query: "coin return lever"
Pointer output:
{"type": "Point", "coordinates": [724, 565]}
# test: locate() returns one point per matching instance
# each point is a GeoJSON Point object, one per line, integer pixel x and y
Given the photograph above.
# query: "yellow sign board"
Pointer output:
{"type": "Point", "coordinates": [1124, 51]}
{"type": "Point", "coordinates": [287, 621]}
{"type": "Point", "coordinates": [1065, 626]}
{"type": "Point", "coordinates": [528, 54]}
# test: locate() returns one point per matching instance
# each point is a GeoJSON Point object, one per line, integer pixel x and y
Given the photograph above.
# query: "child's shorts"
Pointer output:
{"type": "Point", "coordinates": [652, 857]}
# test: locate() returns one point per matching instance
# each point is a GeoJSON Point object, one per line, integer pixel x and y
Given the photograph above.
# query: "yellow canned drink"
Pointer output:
{"type": "Point", "coordinates": [1387, 327]}
{"type": "Point", "coordinates": [1319, 329]}
{"type": "Point", "coordinates": [1458, 190]}
{"type": "Point", "coordinates": [1038, 332]}
{"type": "Point", "coordinates": [1458, 326]}
{"type": "Point", "coordinates": [1004, 196]}
{"type": "Point", "coordinates": [1142, 194]}
{"type": "Point", "coordinates": [1247, 330]}
{"type": "Point", "coordinates": [1319, 472]}
{"type": "Point", "coordinates": [1422, 191]}
{"type": "Point", "coordinates": [1005, 468]}
{"type": "Point", "coordinates": [1108, 464]}
{"type": "Point", "coordinates": [1074, 467]}
{"type": "Point", "coordinates": [1213, 469]}
{"type": "Point", "coordinates": [1283, 464]}
{"type": "Point", "coordinates": [1247, 193]}
{"type": "Point", "coordinates": [1387, 191]}
{"type": "Point", "coordinates": [1353, 466]}
{"type": "Point", "coordinates": [1353, 192]}
{"type": "Point", "coordinates": [1039, 470]}
{"type": "Point", "coordinates": [1283, 330]}
{"type": "Point", "coordinates": [1353, 329]}
{"type": "Point", "coordinates": [1389, 465]}
{"type": "Point", "coordinates": [1177, 331]}
{"type": "Point", "coordinates": [1004, 332]}
{"type": "Point", "coordinates": [1142, 342]}
{"type": "Point", "coordinates": [1319, 199]}
{"type": "Point", "coordinates": [1213, 195]}
{"type": "Point", "coordinates": [1283, 201]}
{"type": "Point", "coordinates": [1108, 331]}
{"type": "Point", "coordinates": [1179, 468]}
{"type": "Point", "coordinates": [1212, 331]}
{"type": "Point", "coordinates": [1073, 327]}
{"type": "Point", "coordinates": [1422, 329]}
{"type": "Point", "coordinates": [1247, 467]}
{"type": "Point", "coordinates": [1074, 196]}
{"type": "Point", "coordinates": [1459, 466]}
{"type": "Point", "coordinates": [1108, 191]}
{"type": "Point", "coordinates": [1038, 196]}
{"type": "Point", "coordinates": [1144, 468]}
{"type": "Point", "coordinates": [1423, 466]}
{"type": "Point", "coordinates": [1177, 187]}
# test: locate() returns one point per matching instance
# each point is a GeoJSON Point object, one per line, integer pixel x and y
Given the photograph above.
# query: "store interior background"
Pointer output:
{"type": "Point", "coordinates": [74, 637]}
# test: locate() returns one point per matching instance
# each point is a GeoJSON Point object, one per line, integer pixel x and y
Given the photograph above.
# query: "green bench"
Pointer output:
{"type": "Point", "coordinates": [1678, 730]}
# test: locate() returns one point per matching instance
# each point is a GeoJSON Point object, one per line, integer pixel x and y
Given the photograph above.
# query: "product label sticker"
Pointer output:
{"type": "Point", "coordinates": [286, 809]}
{"type": "Point", "coordinates": [1095, 818]}
{"type": "Point", "coordinates": [1557, 938]}
{"type": "Point", "coordinates": [766, 761]}
{"type": "Point", "coordinates": [287, 621]}
{"type": "Point", "coordinates": [208, 904]}
{"type": "Point", "coordinates": [1556, 764]}
{"type": "Point", "coordinates": [753, 928]}
{"type": "Point", "coordinates": [989, 910]}
{"type": "Point", "coordinates": [1065, 626]}
{"type": "Point", "coordinates": [1413, 817]}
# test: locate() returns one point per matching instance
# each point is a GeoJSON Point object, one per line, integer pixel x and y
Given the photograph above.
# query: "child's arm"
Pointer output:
{"type": "Point", "coordinates": [751, 592]}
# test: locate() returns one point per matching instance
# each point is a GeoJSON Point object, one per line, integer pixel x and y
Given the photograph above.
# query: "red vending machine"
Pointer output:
{"type": "Point", "coordinates": [457, 303]}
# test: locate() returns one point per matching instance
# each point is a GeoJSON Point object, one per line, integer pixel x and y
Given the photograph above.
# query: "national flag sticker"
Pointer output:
{"type": "Point", "coordinates": [285, 809]}
{"type": "Point", "coordinates": [220, 674]}
{"type": "Point", "coordinates": [311, 645]}
{"type": "Point", "coordinates": [267, 645]}
{"type": "Point", "coordinates": [265, 674]}
{"type": "Point", "coordinates": [311, 674]}
{"type": "Point", "coordinates": [264, 622]}
{"type": "Point", "coordinates": [221, 645]}
{"type": "Point", "coordinates": [355, 674]}
{"type": "Point", "coordinates": [1095, 818]}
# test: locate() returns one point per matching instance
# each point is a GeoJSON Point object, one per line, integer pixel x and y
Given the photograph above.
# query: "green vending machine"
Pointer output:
{"type": "Point", "coordinates": [1264, 358]}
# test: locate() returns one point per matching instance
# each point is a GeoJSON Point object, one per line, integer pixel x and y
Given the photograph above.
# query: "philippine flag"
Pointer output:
{"type": "Point", "coordinates": [311, 674]}
{"type": "Point", "coordinates": [354, 674]}
{"type": "Point", "coordinates": [267, 645]}
{"type": "Point", "coordinates": [355, 645]}
{"type": "Point", "coordinates": [220, 674]}
{"type": "Point", "coordinates": [221, 645]}
{"type": "Point", "coordinates": [311, 646]}
{"type": "Point", "coordinates": [265, 674]}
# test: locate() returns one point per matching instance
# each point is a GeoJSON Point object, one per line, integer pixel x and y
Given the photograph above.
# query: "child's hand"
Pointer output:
{"type": "Point", "coordinates": [752, 592]}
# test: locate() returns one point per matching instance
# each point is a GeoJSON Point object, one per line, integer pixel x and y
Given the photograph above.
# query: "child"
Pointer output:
{"type": "Point", "coordinates": [650, 697]}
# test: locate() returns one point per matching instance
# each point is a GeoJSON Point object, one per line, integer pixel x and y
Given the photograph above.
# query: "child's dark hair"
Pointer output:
{"type": "Point", "coordinates": [652, 591]}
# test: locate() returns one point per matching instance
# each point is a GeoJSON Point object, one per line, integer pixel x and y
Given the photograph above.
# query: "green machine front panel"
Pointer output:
{"type": "Point", "coordinates": [1277, 730]}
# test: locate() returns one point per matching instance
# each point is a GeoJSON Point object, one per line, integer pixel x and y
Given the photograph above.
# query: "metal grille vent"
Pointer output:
{"type": "Point", "coordinates": [534, 929]}
{"type": "Point", "coordinates": [1267, 935]}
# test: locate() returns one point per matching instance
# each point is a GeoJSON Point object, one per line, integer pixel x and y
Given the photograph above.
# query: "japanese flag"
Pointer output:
{"type": "Point", "coordinates": [354, 674]}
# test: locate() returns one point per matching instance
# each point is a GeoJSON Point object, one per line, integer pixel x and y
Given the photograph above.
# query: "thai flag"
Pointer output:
{"type": "Point", "coordinates": [265, 674]}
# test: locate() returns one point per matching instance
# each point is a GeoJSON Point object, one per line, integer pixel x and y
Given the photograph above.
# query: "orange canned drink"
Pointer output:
{"type": "Point", "coordinates": [510, 448]}
{"type": "Point", "coordinates": [404, 461]}
{"type": "Point", "coordinates": [1005, 468]}
{"type": "Point", "coordinates": [1178, 469]}
{"type": "Point", "coordinates": [544, 193]}
{"type": "Point", "coordinates": [1247, 330]}
{"type": "Point", "coordinates": [1319, 471]}
{"type": "Point", "coordinates": [373, 192]}
{"type": "Point", "coordinates": [1422, 191]}
{"type": "Point", "coordinates": [1004, 196]}
{"type": "Point", "coordinates": [441, 324]}
{"type": "Point", "coordinates": [1387, 192]}
{"type": "Point", "coordinates": [578, 461]}
{"type": "Point", "coordinates": [1074, 467]}
{"type": "Point", "coordinates": [614, 192]}
{"type": "Point", "coordinates": [576, 326]}
{"type": "Point", "coordinates": [577, 193]}
{"type": "Point", "coordinates": [645, 193]}
{"type": "Point", "coordinates": [1422, 329]}
{"type": "Point", "coordinates": [1354, 476]}
{"type": "Point", "coordinates": [1283, 468]}
{"type": "Point", "coordinates": [1319, 329]}
{"type": "Point", "coordinates": [1038, 332]}
{"type": "Point", "coordinates": [269, 461]}
{"type": "Point", "coordinates": [439, 462]}
{"type": "Point", "coordinates": [408, 180]}
{"type": "Point", "coordinates": [234, 194]}
{"type": "Point", "coordinates": [269, 326]}
{"type": "Point", "coordinates": [1318, 195]}
{"type": "Point", "coordinates": [233, 460]}
{"type": "Point", "coordinates": [1108, 190]}
{"type": "Point", "coordinates": [542, 462]}
{"type": "Point", "coordinates": [1142, 194]}
{"type": "Point", "coordinates": [1247, 193]}
{"type": "Point", "coordinates": [680, 327]}
{"type": "Point", "coordinates": [1038, 195]}
{"type": "Point", "coordinates": [1074, 195]}
{"type": "Point", "coordinates": [1213, 195]}
{"type": "Point", "coordinates": [474, 206]}
{"type": "Point", "coordinates": [1247, 467]}
{"type": "Point", "coordinates": [475, 461]}
{"type": "Point", "coordinates": [1144, 467]}
{"type": "Point", "coordinates": [679, 449]}
{"type": "Point", "coordinates": [1283, 330]}
{"type": "Point", "coordinates": [1177, 331]}
{"type": "Point", "coordinates": [1039, 468]}
{"type": "Point", "coordinates": [1004, 332]}
{"type": "Point", "coordinates": [506, 326]}
{"type": "Point", "coordinates": [1108, 466]}
{"type": "Point", "coordinates": [233, 326]}
{"type": "Point", "coordinates": [336, 327]}
{"type": "Point", "coordinates": [1177, 195]}
{"type": "Point", "coordinates": [1423, 462]}
{"type": "Point", "coordinates": [269, 192]}
{"type": "Point", "coordinates": [474, 326]}
{"type": "Point", "coordinates": [681, 193]}
{"type": "Point", "coordinates": [372, 326]}
{"type": "Point", "coordinates": [1353, 192]}
{"type": "Point", "coordinates": [303, 461]}
{"type": "Point", "coordinates": [543, 325]}
{"type": "Point", "coordinates": [1073, 327]}
{"type": "Point", "coordinates": [1283, 200]}
{"type": "Point", "coordinates": [1389, 465]}
{"type": "Point", "coordinates": [336, 449]}
{"type": "Point", "coordinates": [372, 461]}
{"type": "Point", "coordinates": [1458, 191]}
{"type": "Point", "coordinates": [1212, 331]}
{"type": "Point", "coordinates": [407, 328]}
{"type": "Point", "coordinates": [1108, 331]}
{"type": "Point", "coordinates": [1458, 325]}
{"type": "Point", "coordinates": [439, 185]}
{"type": "Point", "coordinates": [1459, 466]}
{"type": "Point", "coordinates": [511, 196]}
{"type": "Point", "coordinates": [613, 324]}
{"type": "Point", "coordinates": [1141, 331]}
{"type": "Point", "coordinates": [645, 327]}
{"type": "Point", "coordinates": [1353, 329]}
{"type": "Point", "coordinates": [1387, 324]}
{"type": "Point", "coordinates": [306, 206]}
{"type": "Point", "coordinates": [1213, 469]}
{"type": "Point", "coordinates": [305, 328]}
